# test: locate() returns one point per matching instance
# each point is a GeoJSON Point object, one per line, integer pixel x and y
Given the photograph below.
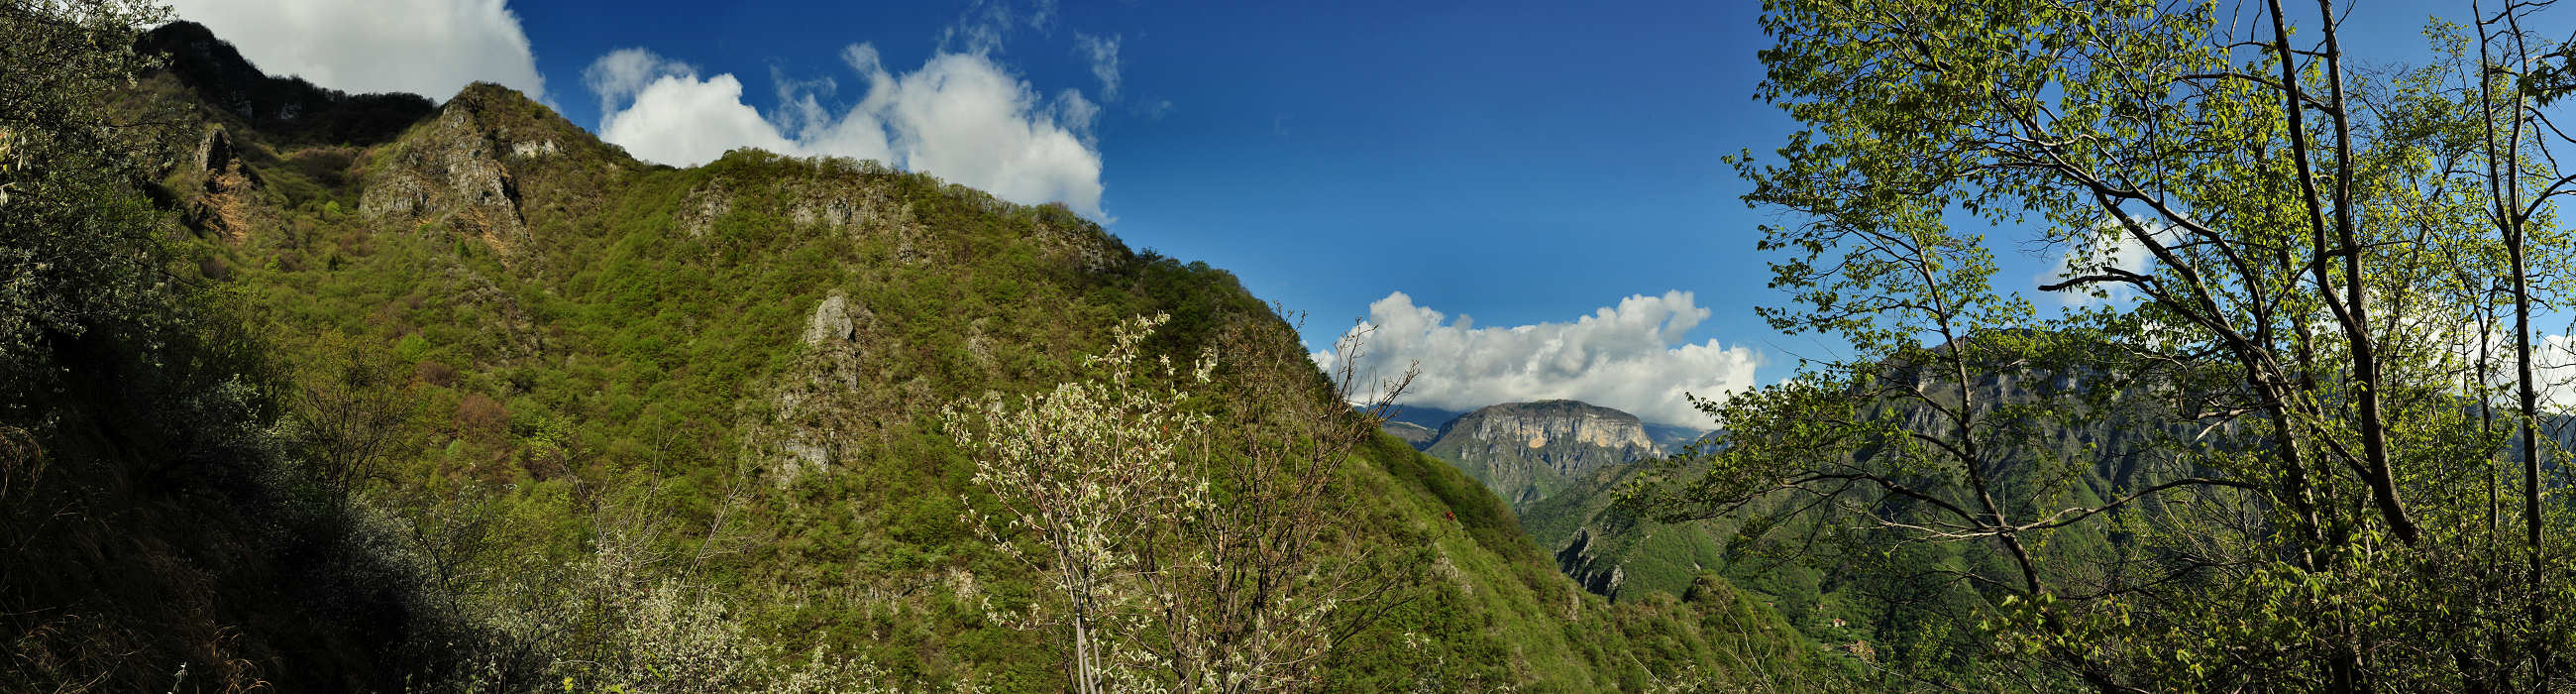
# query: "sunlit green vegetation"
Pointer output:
{"type": "Point", "coordinates": [594, 438]}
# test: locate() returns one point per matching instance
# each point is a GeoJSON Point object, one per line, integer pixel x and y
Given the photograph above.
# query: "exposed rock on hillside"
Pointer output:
{"type": "Point", "coordinates": [844, 208]}
{"type": "Point", "coordinates": [837, 197]}
{"type": "Point", "coordinates": [474, 166]}
{"type": "Point", "coordinates": [699, 212]}
{"type": "Point", "coordinates": [1524, 451]}
{"type": "Point", "coordinates": [831, 322]}
{"type": "Point", "coordinates": [817, 409]}
{"type": "Point", "coordinates": [1582, 563]}
{"type": "Point", "coordinates": [226, 205]}
{"type": "Point", "coordinates": [450, 170]}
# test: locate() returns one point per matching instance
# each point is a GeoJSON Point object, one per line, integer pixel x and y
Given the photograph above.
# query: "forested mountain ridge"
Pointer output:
{"type": "Point", "coordinates": [1773, 547]}
{"type": "Point", "coordinates": [558, 417]}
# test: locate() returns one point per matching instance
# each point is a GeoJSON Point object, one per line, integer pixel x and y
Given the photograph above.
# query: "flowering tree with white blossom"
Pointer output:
{"type": "Point", "coordinates": [1181, 555]}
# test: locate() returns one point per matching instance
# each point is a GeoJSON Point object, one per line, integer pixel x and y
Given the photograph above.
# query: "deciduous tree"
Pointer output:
{"type": "Point", "coordinates": [2280, 247]}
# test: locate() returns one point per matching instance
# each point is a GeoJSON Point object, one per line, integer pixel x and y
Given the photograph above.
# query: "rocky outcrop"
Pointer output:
{"type": "Point", "coordinates": [1523, 451]}
{"type": "Point", "coordinates": [1580, 561]}
{"type": "Point", "coordinates": [700, 210]}
{"type": "Point", "coordinates": [841, 196]}
{"type": "Point", "coordinates": [831, 322]}
{"type": "Point", "coordinates": [846, 208]}
{"type": "Point", "coordinates": [532, 150]}
{"type": "Point", "coordinates": [215, 150]}
{"type": "Point", "coordinates": [226, 205]}
{"type": "Point", "coordinates": [449, 170]}
{"type": "Point", "coordinates": [818, 407]}
{"type": "Point", "coordinates": [1078, 240]}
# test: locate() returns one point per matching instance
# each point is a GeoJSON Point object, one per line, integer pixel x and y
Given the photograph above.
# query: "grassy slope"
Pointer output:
{"type": "Point", "coordinates": [1501, 614]}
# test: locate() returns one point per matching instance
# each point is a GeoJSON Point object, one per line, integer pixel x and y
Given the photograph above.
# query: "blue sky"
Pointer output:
{"type": "Point", "coordinates": [1526, 164]}
{"type": "Point", "coordinates": [1519, 163]}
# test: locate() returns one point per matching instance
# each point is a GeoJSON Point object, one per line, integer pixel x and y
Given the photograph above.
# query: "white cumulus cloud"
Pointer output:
{"type": "Point", "coordinates": [686, 119]}
{"type": "Point", "coordinates": [1631, 357]}
{"type": "Point", "coordinates": [427, 47]}
{"type": "Point", "coordinates": [2553, 359]}
{"type": "Point", "coordinates": [2108, 246]}
{"type": "Point", "coordinates": [961, 117]}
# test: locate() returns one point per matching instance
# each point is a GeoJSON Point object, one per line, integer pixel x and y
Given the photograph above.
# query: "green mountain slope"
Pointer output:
{"type": "Point", "coordinates": [1613, 554]}
{"type": "Point", "coordinates": [625, 416]}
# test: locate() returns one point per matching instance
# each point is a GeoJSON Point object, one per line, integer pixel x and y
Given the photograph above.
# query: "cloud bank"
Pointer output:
{"type": "Point", "coordinates": [1630, 357]}
{"type": "Point", "coordinates": [428, 47]}
{"type": "Point", "coordinates": [961, 117]}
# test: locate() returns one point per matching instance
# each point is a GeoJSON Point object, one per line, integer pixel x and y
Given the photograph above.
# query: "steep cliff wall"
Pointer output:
{"type": "Point", "coordinates": [1525, 451]}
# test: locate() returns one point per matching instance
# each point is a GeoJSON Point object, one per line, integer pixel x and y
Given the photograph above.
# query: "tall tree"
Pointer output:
{"type": "Point", "coordinates": [2272, 243]}
{"type": "Point", "coordinates": [75, 241]}
{"type": "Point", "coordinates": [2513, 82]}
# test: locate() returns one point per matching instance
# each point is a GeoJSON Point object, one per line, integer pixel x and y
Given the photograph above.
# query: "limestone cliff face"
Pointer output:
{"type": "Point", "coordinates": [228, 203]}
{"type": "Point", "coordinates": [1524, 451]}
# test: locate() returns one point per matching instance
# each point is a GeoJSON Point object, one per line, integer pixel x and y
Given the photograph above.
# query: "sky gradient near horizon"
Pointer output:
{"type": "Point", "coordinates": [1552, 170]}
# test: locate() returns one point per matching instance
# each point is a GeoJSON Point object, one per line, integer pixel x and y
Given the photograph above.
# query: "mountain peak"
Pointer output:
{"type": "Point", "coordinates": [286, 109]}
{"type": "Point", "coordinates": [1525, 450]}
{"type": "Point", "coordinates": [1556, 406]}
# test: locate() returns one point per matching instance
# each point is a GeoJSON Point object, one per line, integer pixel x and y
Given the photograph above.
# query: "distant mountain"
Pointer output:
{"type": "Point", "coordinates": [1673, 437]}
{"type": "Point", "coordinates": [1432, 418]}
{"type": "Point", "coordinates": [1418, 435]}
{"type": "Point", "coordinates": [1524, 451]}
{"type": "Point", "coordinates": [1560, 462]}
